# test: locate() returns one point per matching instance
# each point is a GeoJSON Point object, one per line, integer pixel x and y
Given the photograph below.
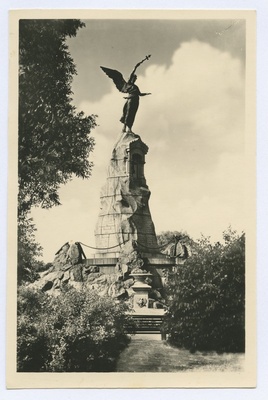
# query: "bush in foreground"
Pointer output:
{"type": "Point", "coordinates": [76, 331]}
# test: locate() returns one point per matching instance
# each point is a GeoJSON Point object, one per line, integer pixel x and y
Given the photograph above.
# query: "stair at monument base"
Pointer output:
{"type": "Point", "coordinates": [147, 323]}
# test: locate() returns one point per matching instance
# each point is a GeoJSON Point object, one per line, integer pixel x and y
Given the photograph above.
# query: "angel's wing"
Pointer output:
{"type": "Point", "coordinates": [117, 78]}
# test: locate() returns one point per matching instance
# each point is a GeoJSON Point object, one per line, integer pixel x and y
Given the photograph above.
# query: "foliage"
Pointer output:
{"type": "Point", "coordinates": [207, 297]}
{"type": "Point", "coordinates": [77, 331]}
{"type": "Point", "coordinates": [28, 251]}
{"type": "Point", "coordinates": [54, 139]}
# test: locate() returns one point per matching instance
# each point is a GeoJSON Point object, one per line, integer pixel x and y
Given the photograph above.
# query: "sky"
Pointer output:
{"type": "Point", "coordinates": [193, 124]}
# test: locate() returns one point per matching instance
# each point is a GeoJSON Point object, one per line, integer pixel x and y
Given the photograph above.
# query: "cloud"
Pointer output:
{"type": "Point", "coordinates": [205, 202]}
{"type": "Point", "coordinates": [194, 126]}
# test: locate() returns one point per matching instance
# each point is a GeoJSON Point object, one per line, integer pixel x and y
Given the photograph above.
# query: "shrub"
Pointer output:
{"type": "Point", "coordinates": [207, 297]}
{"type": "Point", "coordinates": [76, 331]}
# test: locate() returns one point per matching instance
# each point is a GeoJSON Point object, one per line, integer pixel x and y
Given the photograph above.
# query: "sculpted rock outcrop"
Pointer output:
{"type": "Point", "coordinates": [68, 268]}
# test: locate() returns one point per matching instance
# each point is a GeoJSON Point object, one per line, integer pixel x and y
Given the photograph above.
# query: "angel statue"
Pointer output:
{"type": "Point", "coordinates": [132, 103]}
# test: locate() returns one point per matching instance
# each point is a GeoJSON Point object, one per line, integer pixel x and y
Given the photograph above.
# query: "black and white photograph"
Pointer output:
{"type": "Point", "coordinates": [132, 199]}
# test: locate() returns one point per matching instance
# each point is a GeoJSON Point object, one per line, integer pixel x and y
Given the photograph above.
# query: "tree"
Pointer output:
{"type": "Point", "coordinates": [28, 251]}
{"type": "Point", "coordinates": [54, 139]}
{"type": "Point", "coordinates": [207, 297]}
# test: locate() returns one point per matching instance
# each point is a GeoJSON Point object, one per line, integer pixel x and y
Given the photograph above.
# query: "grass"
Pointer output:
{"type": "Point", "coordinates": [146, 353]}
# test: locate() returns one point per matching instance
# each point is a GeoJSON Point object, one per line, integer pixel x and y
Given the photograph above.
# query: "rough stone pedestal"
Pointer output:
{"type": "Point", "coordinates": [125, 216]}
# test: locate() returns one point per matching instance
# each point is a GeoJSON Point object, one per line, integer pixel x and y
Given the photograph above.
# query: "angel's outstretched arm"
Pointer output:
{"type": "Point", "coordinates": [137, 65]}
{"type": "Point", "coordinates": [144, 94]}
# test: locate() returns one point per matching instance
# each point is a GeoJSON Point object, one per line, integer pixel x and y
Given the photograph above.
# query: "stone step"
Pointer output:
{"type": "Point", "coordinates": [146, 323]}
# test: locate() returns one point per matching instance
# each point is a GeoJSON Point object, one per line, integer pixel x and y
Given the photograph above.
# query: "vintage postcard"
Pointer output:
{"type": "Point", "coordinates": [132, 257]}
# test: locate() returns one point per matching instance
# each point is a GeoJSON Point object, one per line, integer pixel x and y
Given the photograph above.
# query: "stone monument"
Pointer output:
{"type": "Point", "coordinates": [128, 264]}
{"type": "Point", "coordinates": [125, 234]}
{"type": "Point", "coordinates": [125, 216]}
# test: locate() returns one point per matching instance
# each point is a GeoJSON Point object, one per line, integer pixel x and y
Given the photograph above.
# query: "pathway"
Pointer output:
{"type": "Point", "coordinates": [147, 353]}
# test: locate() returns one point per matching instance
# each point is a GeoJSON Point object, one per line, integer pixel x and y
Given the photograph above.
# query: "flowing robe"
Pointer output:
{"type": "Point", "coordinates": [131, 106]}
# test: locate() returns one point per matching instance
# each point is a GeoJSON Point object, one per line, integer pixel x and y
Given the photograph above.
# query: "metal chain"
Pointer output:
{"type": "Point", "coordinates": [120, 244]}
{"type": "Point", "coordinates": [103, 248]}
